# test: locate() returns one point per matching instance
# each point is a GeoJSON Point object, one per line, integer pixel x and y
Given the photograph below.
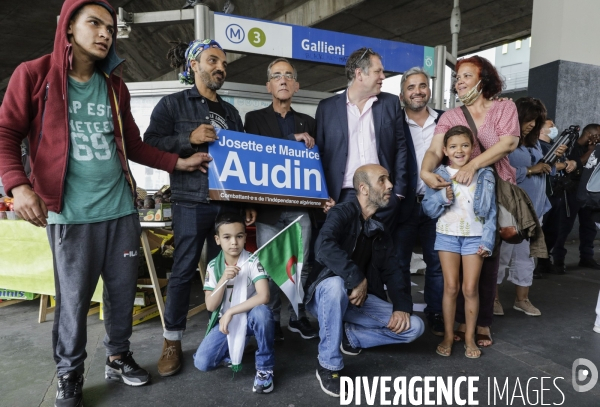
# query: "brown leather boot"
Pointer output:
{"type": "Point", "coordinates": [170, 359]}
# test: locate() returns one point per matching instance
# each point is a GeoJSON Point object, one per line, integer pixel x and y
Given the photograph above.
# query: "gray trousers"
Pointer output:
{"type": "Point", "coordinates": [264, 232]}
{"type": "Point", "coordinates": [81, 253]}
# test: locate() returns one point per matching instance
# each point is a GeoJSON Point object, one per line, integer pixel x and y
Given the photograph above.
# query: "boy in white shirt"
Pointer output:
{"type": "Point", "coordinates": [240, 309]}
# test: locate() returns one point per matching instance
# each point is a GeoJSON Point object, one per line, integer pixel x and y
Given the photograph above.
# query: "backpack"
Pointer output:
{"type": "Point", "coordinates": [588, 193]}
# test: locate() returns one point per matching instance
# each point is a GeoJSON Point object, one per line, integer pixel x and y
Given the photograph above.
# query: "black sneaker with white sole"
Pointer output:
{"type": "Point", "coordinates": [329, 381]}
{"type": "Point", "coordinates": [69, 390]}
{"type": "Point", "coordinates": [303, 327]}
{"type": "Point", "coordinates": [126, 370]}
{"type": "Point", "coordinates": [345, 346]}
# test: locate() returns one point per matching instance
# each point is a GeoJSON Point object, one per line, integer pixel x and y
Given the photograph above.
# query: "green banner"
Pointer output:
{"type": "Point", "coordinates": [26, 259]}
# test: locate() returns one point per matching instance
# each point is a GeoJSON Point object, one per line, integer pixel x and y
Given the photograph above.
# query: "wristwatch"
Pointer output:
{"type": "Point", "coordinates": [529, 172]}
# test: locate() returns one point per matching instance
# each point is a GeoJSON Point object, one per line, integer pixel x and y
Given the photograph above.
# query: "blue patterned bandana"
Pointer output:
{"type": "Point", "coordinates": [191, 53]}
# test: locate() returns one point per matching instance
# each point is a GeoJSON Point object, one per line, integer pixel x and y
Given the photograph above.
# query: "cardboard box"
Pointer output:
{"type": "Point", "coordinates": [16, 295]}
{"type": "Point", "coordinates": [160, 213]}
{"type": "Point", "coordinates": [140, 299]}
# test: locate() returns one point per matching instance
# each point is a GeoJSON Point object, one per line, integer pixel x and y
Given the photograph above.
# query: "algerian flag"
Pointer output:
{"type": "Point", "coordinates": [282, 259]}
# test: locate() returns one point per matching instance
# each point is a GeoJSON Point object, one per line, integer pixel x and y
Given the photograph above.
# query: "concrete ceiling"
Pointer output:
{"type": "Point", "coordinates": [27, 31]}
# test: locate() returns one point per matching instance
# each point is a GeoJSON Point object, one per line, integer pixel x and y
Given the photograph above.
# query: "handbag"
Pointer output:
{"type": "Point", "coordinates": [508, 227]}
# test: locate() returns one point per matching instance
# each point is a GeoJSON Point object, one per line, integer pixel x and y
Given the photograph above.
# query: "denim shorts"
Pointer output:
{"type": "Point", "coordinates": [463, 245]}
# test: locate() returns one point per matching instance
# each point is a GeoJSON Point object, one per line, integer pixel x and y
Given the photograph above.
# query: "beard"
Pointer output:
{"type": "Point", "coordinates": [379, 200]}
{"type": "Point", "coordinates": [211, 82]}
{"type": "Point", "coordinates": [416, 106]}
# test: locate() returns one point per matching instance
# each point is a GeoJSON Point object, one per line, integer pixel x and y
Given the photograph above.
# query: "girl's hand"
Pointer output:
{"type": "Point", "coordinates": [483, 252]}
{"type": "Point", "coordinates": [449, 193]}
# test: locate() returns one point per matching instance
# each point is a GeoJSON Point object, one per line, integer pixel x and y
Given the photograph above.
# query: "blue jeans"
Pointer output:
{"type": "Point", "coordinates": [193, 222]}
{"type": "Point", "coordinates": [366, 326]}
{"type": "Point", "coordinates": [264, 232]}
{"type": "Point", "coordinates": [421, 225]}
{"type": "Point", "coordinates": [213, 348]}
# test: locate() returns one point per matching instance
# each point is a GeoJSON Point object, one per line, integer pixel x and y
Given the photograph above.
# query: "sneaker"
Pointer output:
{"type": "Point", "coordinates": [498, 310]}
{"type": "Point", "coordinates": [436, 323]}
{"type": "Point", "coordinates": [558, 267]}
{"type": "Point", "coordinates": [169, 362]}
{"type": "Point", "coordinates": [597, 329]}
{"type": "Point", "coordinates": [329, 381]}
{"type": "Point", "coordinates": [126, 370]}
{"type": "Point", "coordinates": [69, 390]}
{"type": "Point", "coordinates": [263, 382]}
{"type": "Point", "coordinates": [589, 263]}
{"type": "Point", "coordinates": [527, 307]}
{"type": "Point", "coordinates": [226, 362]}
{"type": "Point", "coordinates": [345, 346]}
{"type": "Point", "coordinates": [303, 327]}
{"type": "Point", "coordinates": [278, 332]}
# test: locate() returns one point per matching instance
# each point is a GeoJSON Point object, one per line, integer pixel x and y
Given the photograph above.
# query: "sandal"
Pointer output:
{"type": "Point", "coordinates": [444, 350]}
{"type": "Point", "coordinates": [460, 335]}
{"type": "Point", "coordinates": [471, 350]}
{"type": "Point", "coordinates": [483, 337]}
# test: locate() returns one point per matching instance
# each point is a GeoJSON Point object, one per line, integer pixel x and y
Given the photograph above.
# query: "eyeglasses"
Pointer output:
{"type": "Point", "coordinates": [278, 76]}
{"type": "Point", "coordinates": [369, 50]}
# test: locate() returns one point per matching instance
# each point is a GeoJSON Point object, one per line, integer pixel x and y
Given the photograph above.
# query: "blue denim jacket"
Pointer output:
{"type": "Point", "coordinates": [484, 205]}
{"type": "Point", "coordinates": [173, 119]}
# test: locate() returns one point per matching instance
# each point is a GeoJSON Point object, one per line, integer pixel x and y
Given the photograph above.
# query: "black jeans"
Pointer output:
{"type": "Point", "coordinates": [405, 236]}
{"type": "Point", "coordinates": [193, 222]}
{"type": "Point", "coordinates": [587, 229]}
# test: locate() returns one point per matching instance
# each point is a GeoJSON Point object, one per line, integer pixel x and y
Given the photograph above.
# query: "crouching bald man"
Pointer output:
{"type": "Point", "coordinates": [355, 259]}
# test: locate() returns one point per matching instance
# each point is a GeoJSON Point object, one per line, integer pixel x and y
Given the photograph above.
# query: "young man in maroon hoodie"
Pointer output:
{"type": "Point", "coordinates": [76, 115]}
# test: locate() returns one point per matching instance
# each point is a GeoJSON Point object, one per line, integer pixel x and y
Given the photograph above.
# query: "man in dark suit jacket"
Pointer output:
{"type": "Point", "coordinates": [279, 120]}
{"type": "Point", "coordinates": [419, 126]}
{"type": "Point", "coordinates": [362, 126]}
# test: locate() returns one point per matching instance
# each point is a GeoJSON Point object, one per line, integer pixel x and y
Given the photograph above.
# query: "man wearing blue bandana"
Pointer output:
{"type": "Point", "coordinates": [355, 262]}
{"type": "Point", "coordinates": [185, 123]}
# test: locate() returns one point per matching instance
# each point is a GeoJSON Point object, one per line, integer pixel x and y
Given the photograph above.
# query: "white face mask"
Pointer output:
{"type": "Point", "coordinates": [553, 133]}
{"type": "Point", "coordinates": [468, 98]}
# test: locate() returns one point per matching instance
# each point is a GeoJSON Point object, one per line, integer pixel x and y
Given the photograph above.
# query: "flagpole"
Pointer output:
{"type": "Point", "coordinates": [257, 250]}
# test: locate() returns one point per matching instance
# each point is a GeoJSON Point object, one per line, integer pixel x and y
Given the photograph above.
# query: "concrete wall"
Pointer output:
{"type": "Point", "coordinates": [566, 30]}
{"type": "Point", "coordinates": [570, 91]}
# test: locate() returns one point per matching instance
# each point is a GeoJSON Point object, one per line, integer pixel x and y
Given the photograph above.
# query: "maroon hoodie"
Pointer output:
{"type": "Point", "coordinates": [35, 106]}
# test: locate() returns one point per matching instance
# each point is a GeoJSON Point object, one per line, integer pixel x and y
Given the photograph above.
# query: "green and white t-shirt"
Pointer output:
{"type": "Point", "coordinates": [95, 188]}
{"type": "Point", "coordinates": [250, 273]}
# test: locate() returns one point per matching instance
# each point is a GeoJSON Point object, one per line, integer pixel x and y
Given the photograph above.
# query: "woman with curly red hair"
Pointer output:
{"type": "Point", "coordinates": [497, 130]}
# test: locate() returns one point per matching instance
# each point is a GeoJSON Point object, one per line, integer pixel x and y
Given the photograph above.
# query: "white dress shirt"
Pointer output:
{"type": "Point", "coordinates": [421, 137]}
{"type": "Point", "coordinates": [362, 147]}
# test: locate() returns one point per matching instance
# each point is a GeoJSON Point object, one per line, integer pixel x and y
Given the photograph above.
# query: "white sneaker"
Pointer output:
{"type": "Point", "coordinates": [597, 328]}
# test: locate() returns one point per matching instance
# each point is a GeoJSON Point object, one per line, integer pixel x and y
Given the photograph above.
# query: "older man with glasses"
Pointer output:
{"type": "Point", "coordinates": [360, 126]}
{"type": "Point", "coordinates": [279, 120]}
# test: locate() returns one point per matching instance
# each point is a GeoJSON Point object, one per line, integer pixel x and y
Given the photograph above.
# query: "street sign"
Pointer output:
{"type": "Point", "coordinates": [253, 36]}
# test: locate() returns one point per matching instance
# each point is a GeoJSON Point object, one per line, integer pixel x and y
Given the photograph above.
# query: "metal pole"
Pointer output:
{"type": "Point", "coordinates": [203, 22]}
{"type": "Point", "coordinates": [454, 29]}
{"type": "Point", "coordinates": [438, 78]}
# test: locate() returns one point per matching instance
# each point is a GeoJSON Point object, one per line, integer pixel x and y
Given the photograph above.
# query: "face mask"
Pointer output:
{"type": "Point", "coordinates": [553, 133]}
{"type": "Point", "coordinates": [468, 98]}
